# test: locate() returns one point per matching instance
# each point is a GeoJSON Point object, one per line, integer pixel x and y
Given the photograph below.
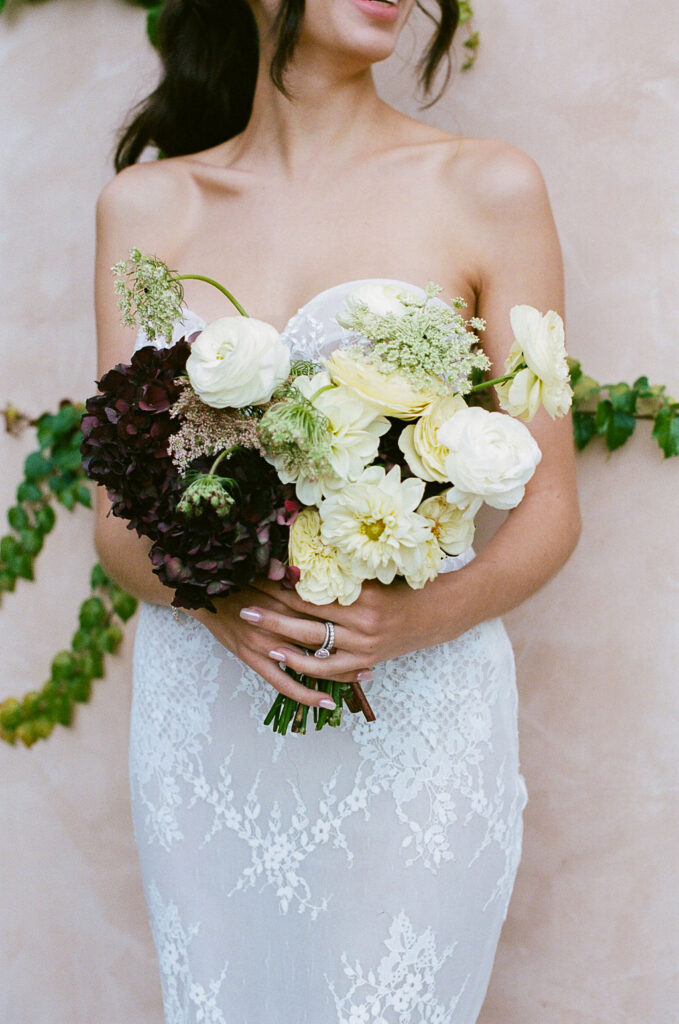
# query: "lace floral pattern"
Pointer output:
{"type": "Point", "coordinates": [368, 868]}
{"type": "Point", "coordinates": [403, 986]}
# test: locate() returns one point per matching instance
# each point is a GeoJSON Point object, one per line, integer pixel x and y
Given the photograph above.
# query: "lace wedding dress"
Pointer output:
{"type": "Point", "coordinates": [358, 875]}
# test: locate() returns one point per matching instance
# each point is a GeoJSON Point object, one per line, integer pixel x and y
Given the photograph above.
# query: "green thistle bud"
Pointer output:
{"type": "Point", "coordinates": [207, 490]}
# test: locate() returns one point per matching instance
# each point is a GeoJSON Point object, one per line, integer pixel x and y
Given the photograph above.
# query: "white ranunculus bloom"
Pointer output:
{"type": "Point", "coordinates": [451, 526]}
{"type": "Point", "coordinates": [389, 393]}
{"type": "Point", "coordinates": [237, 361]}
{"type": "Point", "coordinates": [322, 578]}
{"type": "Point", "coordinates": [419, 442]}
{"type": "Point", "coordinates": [374, 526]}
{"type": "Point", "coordinates": [379, 298]}
{"type": "Point", "coordinates": [355, 431]}
{"type": "Point", "coordinates": [491, 457]}
{"type": "Point", "coordinates": [539, 342]}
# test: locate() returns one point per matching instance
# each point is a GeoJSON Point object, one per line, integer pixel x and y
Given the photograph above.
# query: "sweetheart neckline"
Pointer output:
{"type": "Point", "coordinates": [323, 293]}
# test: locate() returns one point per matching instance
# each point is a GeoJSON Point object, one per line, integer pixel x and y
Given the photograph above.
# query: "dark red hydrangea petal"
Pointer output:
{"type": "Point", "coordinates": [125, 435]}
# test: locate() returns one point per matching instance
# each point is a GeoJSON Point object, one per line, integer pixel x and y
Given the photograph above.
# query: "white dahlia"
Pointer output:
{"type": "Point", "coordinates": [374, 526]}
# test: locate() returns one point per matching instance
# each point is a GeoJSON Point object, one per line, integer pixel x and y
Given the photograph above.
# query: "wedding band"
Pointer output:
{"type": "Point", "coordinates": [329, 642]}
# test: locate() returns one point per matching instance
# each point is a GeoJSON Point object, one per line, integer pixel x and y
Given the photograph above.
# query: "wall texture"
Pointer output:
{"type": "Point", "coordinates": [592, 92]}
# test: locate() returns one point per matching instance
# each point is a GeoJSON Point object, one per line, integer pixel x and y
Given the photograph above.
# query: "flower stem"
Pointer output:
{"type": "Point", "coordinates": [496, 380]}
{"type": "Point", "coordinates": [218, 286]}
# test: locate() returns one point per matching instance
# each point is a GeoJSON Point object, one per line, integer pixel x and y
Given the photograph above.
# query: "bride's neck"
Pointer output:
{"type": "Point", "coordinates": [328, 119]}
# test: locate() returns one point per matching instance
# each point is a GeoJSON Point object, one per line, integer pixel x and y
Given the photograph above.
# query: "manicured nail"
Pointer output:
{"type": "Point", "coordinates": [365, 677]}
{"type": "Point", "coordinates": [327, 703]}
{"type": "Point", "coordinates": [250, 615]}
{"type": "Point", "coordinates": [277, 655]}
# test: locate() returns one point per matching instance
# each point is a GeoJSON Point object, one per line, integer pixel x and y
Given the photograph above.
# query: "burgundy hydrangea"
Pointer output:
{"type": "Point", "coordinates": [125, 447]}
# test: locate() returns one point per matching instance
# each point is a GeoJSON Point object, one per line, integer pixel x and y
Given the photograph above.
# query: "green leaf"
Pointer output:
{"type": "Point", "coordinates": [666, 431]}
{"type": "Point", "coordinates": [18, 518]}
{"type": "Point", "coordinates": [36, 467]}
{"type": "Point", "coordinates": [67, 499]}
{"type": "Point", "coordinates": [83, 495]}
{"type": "Point", "coordinates": [623, 398]}
{"type": "Point", "coordinates": [45, 518]}
{"type": "Point", "coordinates": [602, 416]}
{"type": "Point", "coordinates": [620, 427]}
{"type": "Point", "coordinates": [124, 605]}
{"type": "Point", "coordinates": [9, 547]}
{"type": "Point", "coordinates": [98, 577]}
{"type": "Point", "coordinates": [584, 429]}
{"type": "Point", "coordinates": [63, 665]}
{"type": "Point", "coordinates": [21, 566]}
{"type": "Point", "coordinates": [585, 389]}
{"type": "Point", "coordinates": [27, 491]}
{"type": "Point", "coordinates": [112, 639]}
{"type": "Point", "coordinates": [152, 23]}
{"type": "Point", "coordinates": [92, 613]}
{"type": "Point", "coordinates": [31, 541]}
{"type": "Point", "coordinates": [465, 11]}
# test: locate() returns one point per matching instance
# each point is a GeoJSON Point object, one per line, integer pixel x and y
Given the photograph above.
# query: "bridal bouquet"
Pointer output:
{"type": "Point", "coordinates": [370, 464]}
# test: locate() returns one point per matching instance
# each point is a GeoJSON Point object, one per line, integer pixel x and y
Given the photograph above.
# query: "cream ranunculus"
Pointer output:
{"type": "Point", "coordinates": [374, 526]}
{"type": "Point", "coordinates": [237, 361]}
{"type": "Point", "coordinates": [322, 578]}
{"type": "Point", "coordinates": [355, 431]}
{"type": "Point", "coordinates": [451, 526]}
{"type": "Point", "coordinates": [539, 342]}
{"type": "Point", "coordinates": [389, 393]}
{"type": "Point", "coordinates": [419, 442]}
{"type": "Point", "coordinates": [491, 457]}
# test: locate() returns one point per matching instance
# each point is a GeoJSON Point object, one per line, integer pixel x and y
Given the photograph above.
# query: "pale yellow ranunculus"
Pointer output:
{"type": "Point", "coordinates": [322, 579]}
{"type": "Point", "coordinates": [419, 442]}
{"type": "Point", "coordinates": [539, 342]}
{"type": "Point", "coordinates": [390, 393]}
{"type": "Point", "coordinates": [452, 529]}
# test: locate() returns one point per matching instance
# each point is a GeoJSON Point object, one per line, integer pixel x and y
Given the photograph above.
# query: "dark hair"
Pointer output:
{"type": "Point", "coordinates": [210, 53]}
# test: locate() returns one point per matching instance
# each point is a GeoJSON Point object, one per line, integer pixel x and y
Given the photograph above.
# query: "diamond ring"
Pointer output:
{"type": "Point", "coordinates": [326, 647]}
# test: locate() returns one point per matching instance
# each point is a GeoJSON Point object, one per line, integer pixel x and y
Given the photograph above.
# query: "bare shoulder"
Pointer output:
{"type": "Point", "coordinates": [148, 205]}
{"type": "Point", "coordinates": [501, 182]}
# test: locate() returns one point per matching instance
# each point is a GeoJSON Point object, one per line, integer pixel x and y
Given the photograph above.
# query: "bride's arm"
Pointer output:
{"type": "Point", "coordinates": [519, 262]}
{"type": "Point", "coordinates": [132, 211]}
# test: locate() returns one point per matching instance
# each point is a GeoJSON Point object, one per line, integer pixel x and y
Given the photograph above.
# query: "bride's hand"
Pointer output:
{"type": "Point", "coordinates": [259, 642]}
{"type": "Point", "coordinates": [384, 622]}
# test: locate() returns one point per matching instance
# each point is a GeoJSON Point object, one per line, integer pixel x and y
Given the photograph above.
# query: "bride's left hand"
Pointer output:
{"type": "Point", "coordinates": [384, 622]}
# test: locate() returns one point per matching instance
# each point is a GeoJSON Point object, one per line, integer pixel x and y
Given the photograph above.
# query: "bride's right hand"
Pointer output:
{"type": "Point", "coordinates": [254, 646]}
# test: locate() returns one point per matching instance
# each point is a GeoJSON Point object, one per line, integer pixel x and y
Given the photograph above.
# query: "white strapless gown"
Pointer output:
{"type": "Point", "coordinates": [359, 875]}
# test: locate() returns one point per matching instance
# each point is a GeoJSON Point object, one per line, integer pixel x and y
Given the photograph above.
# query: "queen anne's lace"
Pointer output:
{"type": "Point", "coordinates": [354, 876]}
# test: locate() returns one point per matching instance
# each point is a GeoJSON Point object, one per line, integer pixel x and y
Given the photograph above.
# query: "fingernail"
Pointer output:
{"type": "Point", "coordinates": [365, 677]}
{"type": "Point", "coordinates": [277, 655]}
{"type": "Point", "coordinates": [250, 615]}
{"type": "Point", "coordinates": [327, 703]}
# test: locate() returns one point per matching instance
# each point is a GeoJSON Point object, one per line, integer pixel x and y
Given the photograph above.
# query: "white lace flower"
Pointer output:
{"type": "Point", "coordinates": [374, 526]}
{"type": "Point", "coordinates": [539, 342]}
{"type": "Point", "coordinates": [237, 361]}
{"type": "Point", "coordinates": [419, 442]}
{"type": "Point", "coordinates": [451, 526]}
{"type": "Point", "coordinates": [491, 457]}
{"type": "Point", "coordinates": [322, 578]}
{"type": "Point", "coordinates": [355, 431]}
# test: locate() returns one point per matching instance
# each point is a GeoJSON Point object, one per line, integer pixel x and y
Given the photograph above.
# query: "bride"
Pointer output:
{"type": "Point", "coordinates": [360, 874]}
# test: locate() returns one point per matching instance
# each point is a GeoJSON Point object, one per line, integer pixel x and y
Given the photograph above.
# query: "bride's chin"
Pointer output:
{"type": "Point", "coordinates": [366, 28]}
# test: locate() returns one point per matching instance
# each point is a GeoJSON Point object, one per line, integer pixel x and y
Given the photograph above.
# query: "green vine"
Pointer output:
{"type": "Point", "coordinates": [611, 411]}
{"type": "Point", "coordinates": [54, 473]}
